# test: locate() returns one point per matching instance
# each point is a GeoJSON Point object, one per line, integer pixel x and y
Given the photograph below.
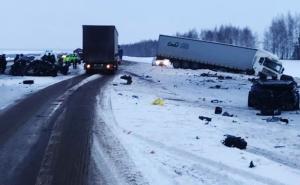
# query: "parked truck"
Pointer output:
{"type": "Point", "coordinates": [100, 48]}
{"type": "Point", "coordinates": [271, 91]}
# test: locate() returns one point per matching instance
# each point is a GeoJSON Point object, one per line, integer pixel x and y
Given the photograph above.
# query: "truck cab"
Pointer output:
{"type": "Point", "coordinates": [268, 65]}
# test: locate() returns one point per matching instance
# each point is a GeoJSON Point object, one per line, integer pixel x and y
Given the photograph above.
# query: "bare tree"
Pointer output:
{"type": "Point", "coordinates": [281, 36]}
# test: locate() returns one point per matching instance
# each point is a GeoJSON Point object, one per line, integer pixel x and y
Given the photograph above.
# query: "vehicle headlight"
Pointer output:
{"type": "Point", "coordinates": [88, 66]}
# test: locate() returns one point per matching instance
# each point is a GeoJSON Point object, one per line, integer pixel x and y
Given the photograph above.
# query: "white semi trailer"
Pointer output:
{"type": "Point", "coordinates": [194, 54]}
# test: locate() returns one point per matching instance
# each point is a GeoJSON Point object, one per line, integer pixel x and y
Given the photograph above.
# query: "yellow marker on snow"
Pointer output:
{"type": "Point", "coordinates": [159, 102]}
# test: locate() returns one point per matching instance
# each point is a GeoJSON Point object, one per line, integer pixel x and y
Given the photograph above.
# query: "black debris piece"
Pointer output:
{"type": "Point", "coordinates": [197, 137]}
{"type": "Point", "coordinates": [236, 142]}
{"type": "Point", "coordinates": [28, 82]}
{"type": "Point", "coordinates": [115, 84]}
{"type": "Point", "coordinates": [135, 96]}
{"type": "Point", "coordinates": [120, 94]}
{"type": "Point", "coordinates": [218, 110]}
{"type": "Point", "coordinates": [218, 87]}
{"type": "Point", "coordinates": [221, 77]}
{"type": "Point", "coordinates": [128, 78]}
{"type": "Point", "coordinates": [279, 146]}
{"type": "Point", "coordinates": [203, 118]}
{"type": "Point", "coordinates": [251, 165]}
{"type": "Point", "coordinates": [284, 120]}
{"type": "Point", "coordinates": [216, 101]}
{"type": "Point", "coordinates": [227, 114]}
{"type": "Point", "coordinates": [277, 119]}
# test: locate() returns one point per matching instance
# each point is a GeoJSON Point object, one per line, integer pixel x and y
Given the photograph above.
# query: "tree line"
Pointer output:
{"type": "Point", "coordinates": [282, 38]}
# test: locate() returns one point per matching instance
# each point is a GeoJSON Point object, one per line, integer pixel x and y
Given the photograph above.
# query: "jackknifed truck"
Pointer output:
{"type": "Point", "coordinates": [271, 91]}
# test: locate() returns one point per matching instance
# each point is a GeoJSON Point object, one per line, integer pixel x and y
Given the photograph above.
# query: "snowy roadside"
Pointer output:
{"type": "Point", "coordinates": [12, 88]}
{"type": "Point", "coordinates": [170, 145]}
{"type": "Point", "coordinates": [292, 67]}
{"type": "Point", "coordinates": [139, 59]}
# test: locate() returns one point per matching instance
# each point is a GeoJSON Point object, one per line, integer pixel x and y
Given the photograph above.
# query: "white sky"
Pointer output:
{"type": "Point", "coordinates": [56, 24]}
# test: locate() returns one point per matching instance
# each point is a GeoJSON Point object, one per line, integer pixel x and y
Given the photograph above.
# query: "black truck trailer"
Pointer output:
{"type": "Point", "coordinates": [100, 48]}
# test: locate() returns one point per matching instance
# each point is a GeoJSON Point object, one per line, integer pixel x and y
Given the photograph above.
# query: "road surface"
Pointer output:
{"type": "Point", "coordinates": [46, 138]}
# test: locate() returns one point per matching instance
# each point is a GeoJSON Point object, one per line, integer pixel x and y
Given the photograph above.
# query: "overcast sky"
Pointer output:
{"type": "Point", "coordinates": [56, 24]}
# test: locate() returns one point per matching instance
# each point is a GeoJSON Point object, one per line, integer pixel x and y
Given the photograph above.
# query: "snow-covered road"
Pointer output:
{"type": "Point", "coordinates": [169, 144]}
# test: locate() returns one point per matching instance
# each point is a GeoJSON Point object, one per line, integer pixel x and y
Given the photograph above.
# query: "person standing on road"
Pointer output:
{"type": "Point", "coordinates": [3, 63]}
{"type": "Point", "coordinates": [16, 58]}
{"type": "Point", "coordinates": [120, 53]}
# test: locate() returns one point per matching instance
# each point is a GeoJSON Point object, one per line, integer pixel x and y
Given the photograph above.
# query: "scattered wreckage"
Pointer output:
{"type": "Point", "coordinates": [46, 66]}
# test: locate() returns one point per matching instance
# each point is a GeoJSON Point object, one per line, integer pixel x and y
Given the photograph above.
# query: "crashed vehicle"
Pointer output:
{"type": "Point", "coordinates": [28, 66]}
{"type": "Point", "coordinates": [273, 90]}
{"type": "Point", "coordinates": [274, 95]}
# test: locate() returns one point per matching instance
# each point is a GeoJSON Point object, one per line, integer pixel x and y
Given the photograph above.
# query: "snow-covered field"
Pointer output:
{"type": "Point", "coordinates": [12, 88]}
{"type": "Point", "coordinates": [169, 144]}
{"type": "Point", "coordinates": [292, 67]}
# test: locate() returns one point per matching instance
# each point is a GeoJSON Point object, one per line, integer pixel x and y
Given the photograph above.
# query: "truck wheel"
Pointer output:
{"type": "Point", "coordinates": [250, 99]}
{"type": "Point", "coordinates": [185, 65]}
{"type": "Point", "coordinates": [176, 64]}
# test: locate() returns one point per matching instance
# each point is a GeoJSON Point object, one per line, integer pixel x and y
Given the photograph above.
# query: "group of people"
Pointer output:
{"type": "Point", "coordinates": [3, 63]}
{"type": "Point", "coordinates": [49, 57]}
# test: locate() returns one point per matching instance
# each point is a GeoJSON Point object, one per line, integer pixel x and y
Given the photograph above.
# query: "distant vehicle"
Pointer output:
{"type": "Point", "coordinates": [100, 48]}
{"type": "Point", "coordinates": [195, 54]}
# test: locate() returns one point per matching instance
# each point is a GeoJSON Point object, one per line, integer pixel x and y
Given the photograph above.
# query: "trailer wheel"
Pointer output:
{"type": "Point", "coordinates": [176, 64]}
{"type": "Point", "coordinates": [185, 65]}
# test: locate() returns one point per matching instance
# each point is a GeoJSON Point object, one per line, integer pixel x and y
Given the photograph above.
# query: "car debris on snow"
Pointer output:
{"type": "Point", "coordinates": [218, 87]}
{"type": "Point", "coordinates": [216, 101]}
{"type": "Point", "coordinates": [277, 119]}
{"type": "Point", "coordinates": [236, 142]}
{"type": "Point", "coordinates": [28, 82]}
{"type": "Point", "coordinates": [227, 114]}
{"type": "Point", "coordinates": [203, 118]}
{"type": "Point", "coordinates": [128, 79]}
{"type": "Point", "coordinates": [218, 110]}
{"type": "Point", "coordinates": [220, 77]}
{"type": "Point", "coordinates": [135, 96]}
{"type": "Point", "coordinates": [251, 165]}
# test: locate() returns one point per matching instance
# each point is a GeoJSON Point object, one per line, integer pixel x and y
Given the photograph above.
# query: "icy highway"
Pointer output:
{"type": "Point", "coordinates": [46, 138]}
